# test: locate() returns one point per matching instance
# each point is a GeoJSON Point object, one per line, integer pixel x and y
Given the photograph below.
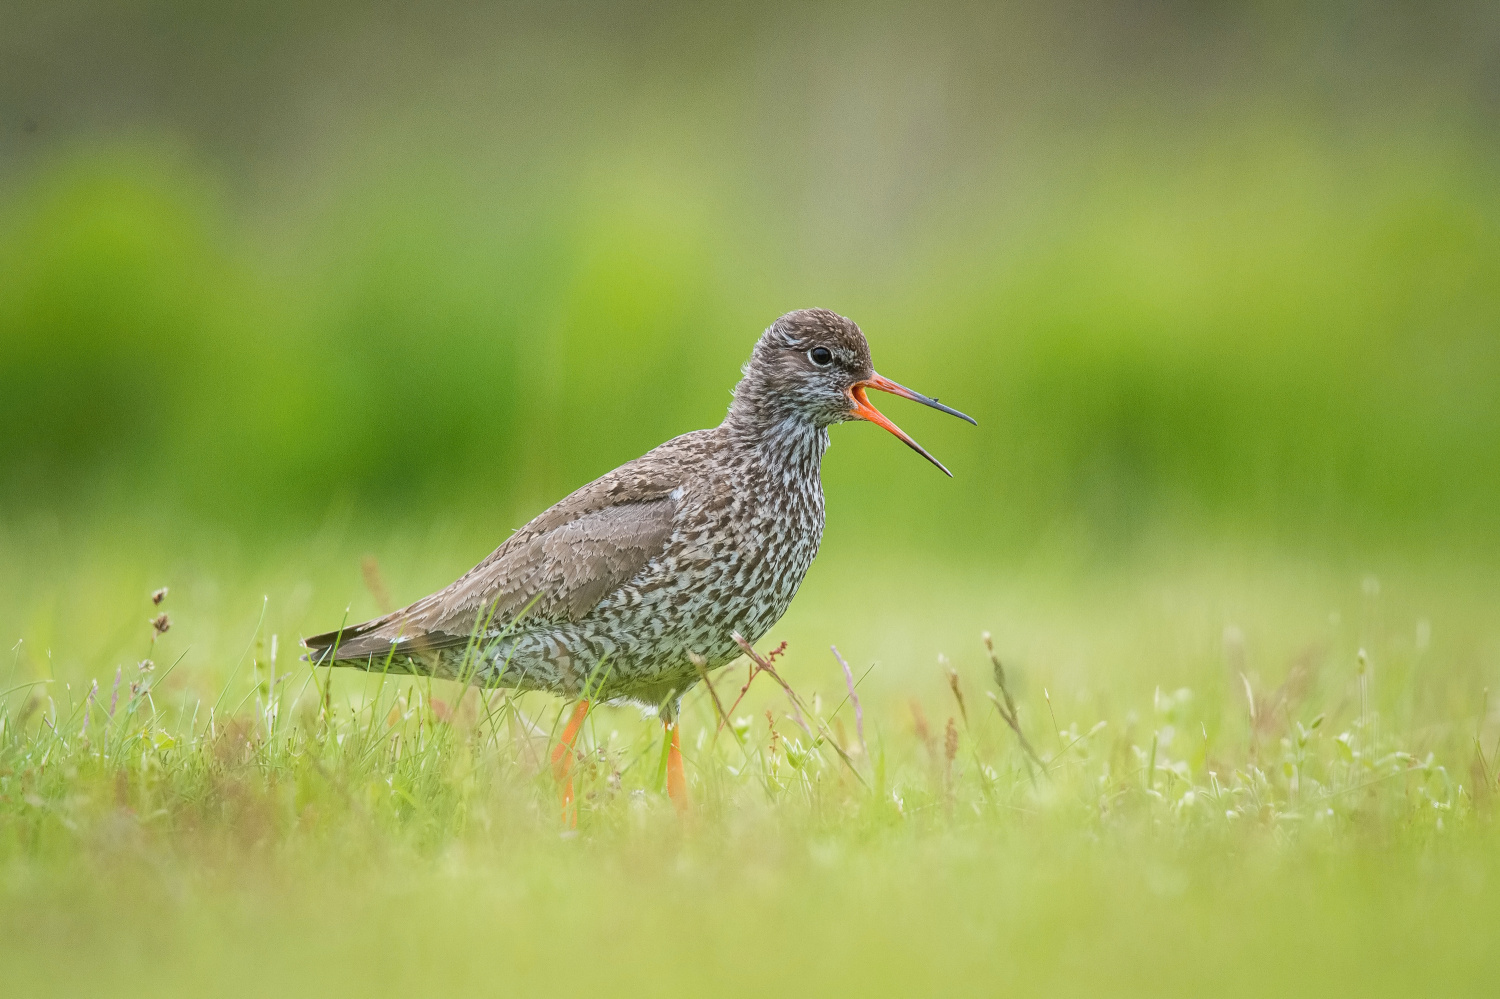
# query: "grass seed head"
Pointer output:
{"type": "Point", "coordinates": [919, 721]}
{"type": "Point", "coordinates": [958, 694]}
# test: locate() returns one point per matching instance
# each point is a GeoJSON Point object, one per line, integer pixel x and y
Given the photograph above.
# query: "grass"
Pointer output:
{"type": "Point", "coordinates": [1244, 776]}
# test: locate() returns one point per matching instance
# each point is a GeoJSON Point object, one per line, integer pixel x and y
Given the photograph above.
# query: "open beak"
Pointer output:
{"type": "Point", "coordinates": [864, 411]}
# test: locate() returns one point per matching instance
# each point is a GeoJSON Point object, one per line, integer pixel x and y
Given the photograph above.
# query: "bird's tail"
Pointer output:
{"type": "Point", "coordinates": [356, 642]}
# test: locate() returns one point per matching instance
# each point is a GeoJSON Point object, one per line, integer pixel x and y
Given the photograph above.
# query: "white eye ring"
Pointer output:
{"type": "Point", "coordinates": [821, 356]}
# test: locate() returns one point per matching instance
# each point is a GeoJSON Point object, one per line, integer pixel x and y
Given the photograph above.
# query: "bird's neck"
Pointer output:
{"type": "Point", "coordinates": [788, 442]}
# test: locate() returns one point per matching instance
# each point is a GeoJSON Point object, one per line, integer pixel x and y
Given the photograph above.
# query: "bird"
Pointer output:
{"type": "Point", "coordinates": [638, 584]}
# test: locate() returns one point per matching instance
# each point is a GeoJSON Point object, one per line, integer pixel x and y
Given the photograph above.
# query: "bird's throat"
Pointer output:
{"type": "Point", "coordinates": [794, 447]}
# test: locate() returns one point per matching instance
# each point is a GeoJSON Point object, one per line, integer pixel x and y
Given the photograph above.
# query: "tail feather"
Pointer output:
{"type": "Point", "coordinates": [357, 641]}
{"type": "Point", "coordinates": [394, 634]}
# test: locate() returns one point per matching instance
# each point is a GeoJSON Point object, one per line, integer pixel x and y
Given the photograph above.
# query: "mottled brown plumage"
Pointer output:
{"type": "Point", "coordinates": [615, 590]}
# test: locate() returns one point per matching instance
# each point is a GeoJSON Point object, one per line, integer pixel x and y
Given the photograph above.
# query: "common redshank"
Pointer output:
{"type": "Point", "coordinates": [633, 587]}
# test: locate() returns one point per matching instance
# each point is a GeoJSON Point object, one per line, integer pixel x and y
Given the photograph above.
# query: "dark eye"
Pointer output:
{"type": "Point", "coordinates": [821, 356]}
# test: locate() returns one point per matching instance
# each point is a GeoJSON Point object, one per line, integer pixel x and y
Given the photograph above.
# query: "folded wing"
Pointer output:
{"type": "Point", "coordinates": [558, 567]}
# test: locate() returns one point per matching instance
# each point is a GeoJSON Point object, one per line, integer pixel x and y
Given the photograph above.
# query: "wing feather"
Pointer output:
{"type": "Point", "coordinates": [558, 567]}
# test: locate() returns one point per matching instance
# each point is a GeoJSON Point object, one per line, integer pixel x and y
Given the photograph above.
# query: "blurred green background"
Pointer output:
{"type": "Point", "coordinates": [1234, 268]}
{"type": "Point", "coordinates": [286, 285]}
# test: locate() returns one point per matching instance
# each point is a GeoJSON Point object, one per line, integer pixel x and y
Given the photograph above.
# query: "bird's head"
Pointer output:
{"type": "Point", "coordinates": [813, 366]}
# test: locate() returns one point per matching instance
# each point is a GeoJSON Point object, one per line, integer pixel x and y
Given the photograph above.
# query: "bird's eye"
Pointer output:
{"type": "Point", "coordinates": [821, 356]}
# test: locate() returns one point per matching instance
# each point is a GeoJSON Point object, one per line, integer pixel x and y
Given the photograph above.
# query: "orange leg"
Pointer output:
{"type": "Point", "coordinates": [562, 762]}
{"type": "Point", "coordinates": [676, 779]}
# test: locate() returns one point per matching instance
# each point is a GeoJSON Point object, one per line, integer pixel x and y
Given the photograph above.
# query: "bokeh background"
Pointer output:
{"type": "Point", "coordinates": [316, 282]}
{"type": "Point", "coordinates": [304, 306]}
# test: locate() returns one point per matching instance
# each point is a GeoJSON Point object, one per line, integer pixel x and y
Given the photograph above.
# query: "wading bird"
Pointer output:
{"type": "Point", "coordinates": [635, 585]}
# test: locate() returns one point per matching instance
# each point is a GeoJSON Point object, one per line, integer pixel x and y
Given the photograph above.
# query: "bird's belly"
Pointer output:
{"type": "Point", "coordinates": [640, 641]}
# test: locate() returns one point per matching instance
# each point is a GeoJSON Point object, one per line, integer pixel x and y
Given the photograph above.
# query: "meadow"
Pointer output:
{"type": "Point", "coordinates": [1272, 777]}
{"type": "Point", "coordinates": [303, 311]}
